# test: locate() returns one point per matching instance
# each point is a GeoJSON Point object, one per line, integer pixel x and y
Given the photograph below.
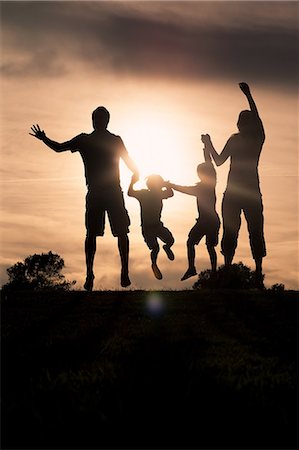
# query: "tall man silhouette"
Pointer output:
{"type": "Point", "coordinates": [101, 152]}
{"type": "Point", "coordinates": [243, 186]}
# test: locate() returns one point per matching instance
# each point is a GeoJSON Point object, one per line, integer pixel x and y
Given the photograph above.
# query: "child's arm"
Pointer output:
{"type": "Point", "coordinates": [168, 192]}
{"type": "Point", "coordinates": [131, 190]}
{"type": "Point", "coordinates": [207, 154]}
{"type": "Point", "coordinates": [190, 190]}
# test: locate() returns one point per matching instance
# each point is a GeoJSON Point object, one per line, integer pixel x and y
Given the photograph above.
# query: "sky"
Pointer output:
{"type": "Point", "coordinates": [168, 72]}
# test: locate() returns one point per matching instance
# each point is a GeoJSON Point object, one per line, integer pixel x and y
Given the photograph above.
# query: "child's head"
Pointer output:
{"type": "Point", "coordinates": [207, 173]}
{"type": "Point", "coordinates": [155, 182]}
{"type": "Point", "coordinates": [246, 121]}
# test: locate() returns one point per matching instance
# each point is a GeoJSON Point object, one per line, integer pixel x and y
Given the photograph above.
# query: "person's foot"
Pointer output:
{"type": "Point", "coordinates": [124, 279]}
{"type": "Point", "coordinates": [190, 273]}
{"type": "Point", "coordinates": [157, 272]}
{"type": "Point", "coordinates": [168, 252]}
{"type": "Point", "coordinates": [259, 282]}
{"type": "Point", "coordinates": [88, 285]}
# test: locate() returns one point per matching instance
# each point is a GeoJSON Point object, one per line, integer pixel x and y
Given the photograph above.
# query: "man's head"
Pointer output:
{"type": "Point", "coordinates": [155, 182]}
{"type": "Point", "coordinates": [100, 118]}
{"type": "Point", "coordinates": [207, 173]}
{"type": "Point", "coordinates": [246, 121]}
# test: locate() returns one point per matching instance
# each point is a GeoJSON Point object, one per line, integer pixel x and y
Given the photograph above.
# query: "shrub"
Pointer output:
{"type": "Point", "coordinates": [238, 276]}
{"type": "Point", "coordinates": [38, 272]}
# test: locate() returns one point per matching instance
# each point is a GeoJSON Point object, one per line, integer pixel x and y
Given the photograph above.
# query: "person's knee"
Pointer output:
{"type": "Point", "coordinates": [190, 242]}
{"type": "Point", "coordinates": [210, 248]}
{"type": "Point", "coordinates": [123, 237]}
{"type": "Point", "coordinates": [90, 235]}
{"type": "Point", "coordinates": [155, 248]}
{"type": "Point", "coordinates": [170, 241]}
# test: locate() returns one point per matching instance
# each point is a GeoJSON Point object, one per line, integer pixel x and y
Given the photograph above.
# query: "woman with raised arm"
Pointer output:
{"type": "Point", "coordinates": [243, 186]}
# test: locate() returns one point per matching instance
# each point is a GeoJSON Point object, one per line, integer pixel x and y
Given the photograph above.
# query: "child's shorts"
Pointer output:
{"type": "Point", "coordinates": [208, 229]}
{"type": "Point", "coordinates": [153, 232]}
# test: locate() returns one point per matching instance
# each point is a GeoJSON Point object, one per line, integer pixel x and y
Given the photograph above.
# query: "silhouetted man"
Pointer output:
{"type": "Point", "coordinates": [243, 187]}
{"type": "Point", "coordinates": [101, 152]}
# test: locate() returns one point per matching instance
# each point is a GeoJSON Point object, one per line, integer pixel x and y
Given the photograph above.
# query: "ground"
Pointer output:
{"type": "Point", "coordinates": [141, 369]}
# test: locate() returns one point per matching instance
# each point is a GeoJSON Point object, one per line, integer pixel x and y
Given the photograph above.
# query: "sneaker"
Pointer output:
{"type": "Point", "coordinates": [157, 272]}
{"type": "Point", "coordinates": [190, 273]}
{"type": "Point", "coordinates": [125, 280]}
{"type": "Point", "coordinates": [88, 285]}
{"type": "Point", "coordinates": [168, 252]}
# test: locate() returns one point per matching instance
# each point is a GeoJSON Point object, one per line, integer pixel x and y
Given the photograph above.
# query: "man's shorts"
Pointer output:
{"type": "Point", "coordinates": [153, 232]}
{"type": "Point", "coordinates": [208, 229]}
{"type": "Point", "coordinates": [98, 201]}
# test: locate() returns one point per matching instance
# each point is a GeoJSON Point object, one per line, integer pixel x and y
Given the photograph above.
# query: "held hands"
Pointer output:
{"type": "Point", "coordinates": [244, 88]}
{"type": "Point", "coordinates": [135, 177]}
{"type": "Point", "coordinates": [206, 139]}
{"type": "Point", "coordinates": [37, 132]}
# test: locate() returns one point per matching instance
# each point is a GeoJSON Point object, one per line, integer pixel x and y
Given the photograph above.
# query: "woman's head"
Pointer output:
{"type": "Point", "coordinates": [246, 121]}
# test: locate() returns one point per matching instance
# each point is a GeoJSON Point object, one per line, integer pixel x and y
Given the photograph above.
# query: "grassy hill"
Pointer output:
{"type": "Point", "coordinates": [140, 369]}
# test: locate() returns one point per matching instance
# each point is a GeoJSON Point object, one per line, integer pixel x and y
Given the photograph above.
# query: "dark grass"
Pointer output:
{"type": "Point", "coordinates": [211, 369]}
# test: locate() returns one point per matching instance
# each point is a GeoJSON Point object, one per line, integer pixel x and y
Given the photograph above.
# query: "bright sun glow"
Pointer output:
{"type": "Point", "coordinates": [156, 145]}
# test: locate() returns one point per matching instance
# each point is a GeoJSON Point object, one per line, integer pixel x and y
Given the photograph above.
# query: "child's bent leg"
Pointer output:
{"type": "Point", "coordinates": [191, 271]}
{"type": "Point", "coordinates": [191, 254]}
{"type": "Point", "coordinates": [166, 236]}
{"type": "Point", "coordinates": [213, 257]}
{"type": "Point", "coordinates": [155, 268]}
{"type": "Point", "coordinates": [154, 254]}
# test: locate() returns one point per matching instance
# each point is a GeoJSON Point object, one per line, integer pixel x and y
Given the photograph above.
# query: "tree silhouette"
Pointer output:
{"type": "Point", "coordinates": [238, 276]}
{"type": "Point", "coordinates": [38, 272]}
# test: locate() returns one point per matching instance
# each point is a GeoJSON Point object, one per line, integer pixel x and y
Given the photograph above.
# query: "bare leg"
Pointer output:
{"type": "Point", "coordinates": [191, 271]}
{"type": "Point", "coordinates": [90, 250]}
{"type": "Point", "coordinates": [154, 256]}
{"type": "Point", "coordinates": [228, 261]}
{"type": "Point", "coordinates": [123, 247]}
{"type": "Point", "coordinates": [259, 273]}
{"type": "Point", "coordinates": [213, 257]}
{"type": "Point", "coordinates": [167, 237]}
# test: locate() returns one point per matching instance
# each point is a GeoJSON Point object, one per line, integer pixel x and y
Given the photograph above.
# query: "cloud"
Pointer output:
{"type": "Point", "coordinates": [181, 40]}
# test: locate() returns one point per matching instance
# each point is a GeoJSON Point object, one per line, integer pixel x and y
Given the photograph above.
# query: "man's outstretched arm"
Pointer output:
{"type": "Point", "coordinates": [246, 91]}
{"type": "Point", "coordinates": [56, 146]}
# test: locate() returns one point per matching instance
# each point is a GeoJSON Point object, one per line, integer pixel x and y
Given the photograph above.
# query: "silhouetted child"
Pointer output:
{"type": "Point", "coordinates": [151, 207]}
{"type": "Point", "coordinates": [208, 222]}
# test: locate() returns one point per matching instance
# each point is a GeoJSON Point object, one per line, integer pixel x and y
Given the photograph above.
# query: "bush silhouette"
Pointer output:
{"type": "Point", "coordinates": [38, 272]}
{"type": "Point", "coordinates": [238, 276]}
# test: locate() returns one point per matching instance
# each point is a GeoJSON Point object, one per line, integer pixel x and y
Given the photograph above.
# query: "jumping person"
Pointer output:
{"type": "Point", "coordinates": [243, 187]}
{"type": "Point", "coordinates": [208, 222]}
{"type": "Point", "coordinates": [151, 207]}
{"type": "Point", "coordinates": [101, 152]}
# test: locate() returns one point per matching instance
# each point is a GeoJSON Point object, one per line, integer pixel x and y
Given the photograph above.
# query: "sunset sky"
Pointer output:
{"type": "Point", "coordinates": [167, 72]}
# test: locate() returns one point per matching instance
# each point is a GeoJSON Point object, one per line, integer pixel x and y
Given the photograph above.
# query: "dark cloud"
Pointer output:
{"type": "Point", "coordinates": [58, 37]}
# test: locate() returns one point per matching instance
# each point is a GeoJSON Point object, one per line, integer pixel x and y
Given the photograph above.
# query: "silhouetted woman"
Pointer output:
{"type": "Point", "coordinates": [243, 187]}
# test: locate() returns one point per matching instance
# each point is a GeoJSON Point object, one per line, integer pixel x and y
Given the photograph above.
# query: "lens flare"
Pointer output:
{"type": "Point", "coordinates": [154, 304]}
